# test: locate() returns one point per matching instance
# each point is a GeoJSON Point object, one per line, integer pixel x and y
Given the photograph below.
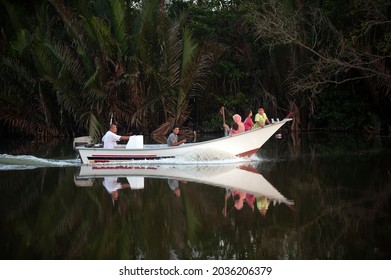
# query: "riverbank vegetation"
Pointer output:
{"type": "Point", "coordinates": [70, 67]}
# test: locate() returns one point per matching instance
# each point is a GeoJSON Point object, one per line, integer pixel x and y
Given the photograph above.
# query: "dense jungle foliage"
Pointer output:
{"type": "Point", "coordinates": [70, 67]}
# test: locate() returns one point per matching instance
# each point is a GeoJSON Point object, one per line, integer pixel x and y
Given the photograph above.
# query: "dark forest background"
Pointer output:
{"type": "Point", "coordinates": [68, 68]}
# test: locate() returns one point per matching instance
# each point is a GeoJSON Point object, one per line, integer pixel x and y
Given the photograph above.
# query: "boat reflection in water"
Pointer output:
{"type": "Point", "coordinates": [242, 182]}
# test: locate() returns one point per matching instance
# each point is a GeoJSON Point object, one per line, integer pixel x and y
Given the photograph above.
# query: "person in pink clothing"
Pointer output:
{"type": "Point", "coordinates": [238, 119]}
{"type": "Point", "coordinates": [234, 129]}
{"type": "Point", "coordinates": [250, 199]}
{"type": "Point", "coordinates": [239, 197]}
{"type": "Point", "coordinates": [248, 122]}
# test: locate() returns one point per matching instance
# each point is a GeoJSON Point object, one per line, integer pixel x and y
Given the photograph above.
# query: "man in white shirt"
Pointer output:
{"type": "Point", "coordinates": [111, 138]}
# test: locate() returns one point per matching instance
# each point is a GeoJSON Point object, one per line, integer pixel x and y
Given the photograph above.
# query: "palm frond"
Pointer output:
{"type": "Point", "coordinates": [94, 127]}
{"type": "Point", "coordinates": [118, 23]}
{"type": "Point", "coordinates": [98, 33]}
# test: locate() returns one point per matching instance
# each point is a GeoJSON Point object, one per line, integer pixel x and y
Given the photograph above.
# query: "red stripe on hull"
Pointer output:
{"type": "Point", "coordinates": [124, 156]}
{"type": "Point", "coordinates": [248, 153]}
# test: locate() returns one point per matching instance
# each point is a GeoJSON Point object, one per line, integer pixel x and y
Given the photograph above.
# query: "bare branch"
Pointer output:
{"type": "Point", "coordinates": [330, 55]}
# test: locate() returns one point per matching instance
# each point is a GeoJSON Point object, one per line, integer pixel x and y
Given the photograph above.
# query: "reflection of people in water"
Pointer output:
{"type": "Point", "coordinates": [112, 185]}
{"type": "Point", "coordinates": [263, 205]}
{"type": "Point", "coordinates": [239, 197]}
{"type": "Point", "coordinates": [250, 199]}
{"type": "Point", "coordinates": [174, 186]}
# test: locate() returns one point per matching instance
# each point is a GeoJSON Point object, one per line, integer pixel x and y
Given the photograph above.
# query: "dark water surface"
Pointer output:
{"type": "Point", "coordinates": [339, 184]}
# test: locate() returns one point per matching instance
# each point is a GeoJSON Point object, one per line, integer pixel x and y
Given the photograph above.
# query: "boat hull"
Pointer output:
{"type": "Point", "coordinates": [242, 144]}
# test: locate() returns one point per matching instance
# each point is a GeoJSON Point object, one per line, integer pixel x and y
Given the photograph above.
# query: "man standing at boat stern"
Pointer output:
{"type": "Point", "coordinates": [172, 139]}
{"type": "Point", "coordinates": [111, 138]}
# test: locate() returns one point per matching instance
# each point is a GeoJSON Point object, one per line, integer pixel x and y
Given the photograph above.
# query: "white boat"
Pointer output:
{"type": "Point", "coordinates": [236, 176]}
{"type": "Point", "coordinates": [241, 144]}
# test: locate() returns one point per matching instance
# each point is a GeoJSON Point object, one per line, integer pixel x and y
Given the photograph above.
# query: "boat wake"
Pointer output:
{"type": "Point", "coordinates": [198, 157]}
{"type": "Point", "coordinates": [20, 162]}
{"type": "Point", "coordinates": [208, 156]}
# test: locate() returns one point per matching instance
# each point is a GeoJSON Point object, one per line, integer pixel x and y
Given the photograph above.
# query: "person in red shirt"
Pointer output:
{"type": "Point", "coordinates": [248, 122]}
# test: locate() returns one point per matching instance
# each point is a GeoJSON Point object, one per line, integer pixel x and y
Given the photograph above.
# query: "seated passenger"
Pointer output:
{"type": "Point", "coordinates": [248, 122]}
{"type": "Point", "coordinates": [172, 139]}
{"type": "Point", "coordinates": [234, 129]}
{"type": "Point", "coordinates": [260, 118]}
{"type": "Point", "coordinates": [238, 119]}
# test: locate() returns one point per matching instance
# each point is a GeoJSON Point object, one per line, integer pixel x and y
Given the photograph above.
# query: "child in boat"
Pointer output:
{"type": "Point", "coordinates": [234, 129]}
{"type": "Point", "coordinates": [238, 119]}
{"type": "Point", "coordinates": [248, 122]}
{"type": "Point", "coordinates": [261, 118]}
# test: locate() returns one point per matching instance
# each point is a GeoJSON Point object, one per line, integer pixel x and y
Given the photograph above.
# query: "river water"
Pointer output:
{"type": "Point", "coordinates": [307, 196]}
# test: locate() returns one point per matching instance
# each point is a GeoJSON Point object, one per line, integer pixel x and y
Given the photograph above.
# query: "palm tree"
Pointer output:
{"type": "Point", "coordinates": [145, 70]}
{"type": "Point", "coordinates": [98, 56]}
{"type": "Point", "coordinates": [171, 69]}
{"type": "Point", "coordinates": [101, 60]}
{"type": "Point", "coordinates": [27, 107]}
